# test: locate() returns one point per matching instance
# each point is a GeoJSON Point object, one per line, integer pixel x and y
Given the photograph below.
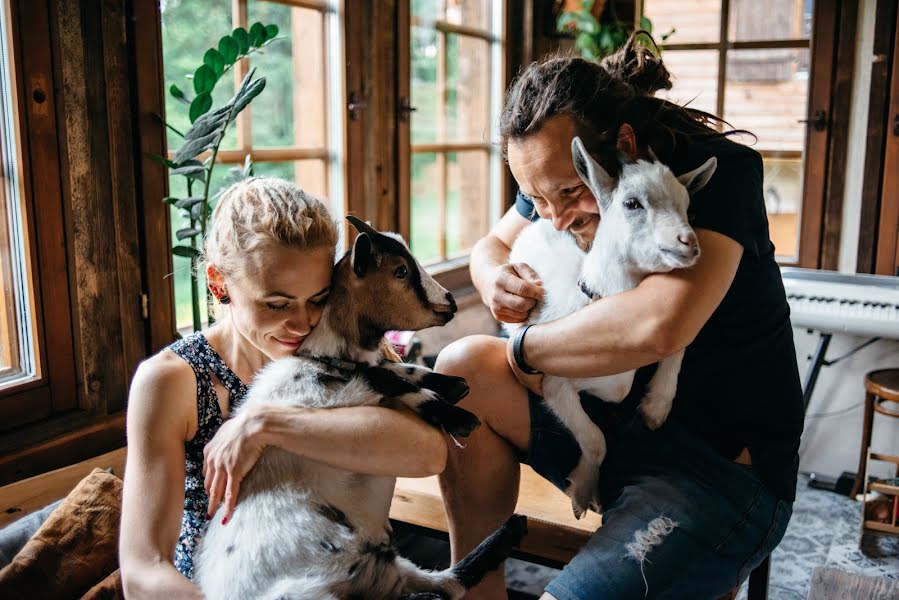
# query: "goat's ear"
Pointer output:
{"type": "Point", "coordinates": [600, 183]}
{"type": "Point", "coordinates": [696, 179]}
{"type": "Point", "coordinates": [362, 254]}
{"type": "Point", "coordinates": [361, 226]}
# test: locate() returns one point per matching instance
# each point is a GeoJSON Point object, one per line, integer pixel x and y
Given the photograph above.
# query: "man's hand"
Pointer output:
{"type": "Point", "coordinates": [227, 458]}
{"type": "Point", "coordinates": [513, 292]}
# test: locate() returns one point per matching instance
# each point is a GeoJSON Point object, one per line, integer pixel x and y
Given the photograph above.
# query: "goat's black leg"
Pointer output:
{"type": "Point", "coordinates": [449, 387]}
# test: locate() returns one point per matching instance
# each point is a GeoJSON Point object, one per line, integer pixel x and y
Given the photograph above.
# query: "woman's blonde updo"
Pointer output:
{"type": "Point", "coordinates": [263, 211]}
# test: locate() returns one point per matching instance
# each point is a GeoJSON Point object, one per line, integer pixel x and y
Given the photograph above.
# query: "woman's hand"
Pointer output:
{"type": "Point", "coordinates": [532, 382]}
{"type": "Point", "coordinates": [513, 291]}
{"type": "Point", "coordinates": [227, 458]}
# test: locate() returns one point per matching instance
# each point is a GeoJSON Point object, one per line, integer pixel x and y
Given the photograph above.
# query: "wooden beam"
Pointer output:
{"type": "Point", "coordinates": [841, 109]}
{"type": "Point", "coordinates": [887, 259]}
{"type": "Point", "coordinates": [152, 177]}
{"type": "Point", "coordinates": [878, 106]}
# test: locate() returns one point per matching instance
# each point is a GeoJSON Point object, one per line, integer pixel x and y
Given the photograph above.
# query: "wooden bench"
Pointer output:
{"type": "Point", "coordinates": [554, 535]}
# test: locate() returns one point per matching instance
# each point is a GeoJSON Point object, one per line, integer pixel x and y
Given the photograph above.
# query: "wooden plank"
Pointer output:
{"type": "Point", "coordinates": [101, 435]}
{"type": "Point", "coordinates": [26, 496]}
{"type": "Point", "coordinates": [833, 584]}
{"type": "Point", "coordinates": [123, 192]}
{"type": "Point", "coordinates": [839, 138]}
{"type": "Point", "coordinates": [887, 262]}
{"type": "Point", "coordinates": [553, 532]}
{"type": "Point", "coordinates": [152, 177]}
{"type": "Point", "coordinates": [817, 142]}
{"type": "Point", "coordinates": [878, 104]}
{"type": "Point", "coordinates": [404, 121]}
{"type": "Point", "coordinates": [87, 186]}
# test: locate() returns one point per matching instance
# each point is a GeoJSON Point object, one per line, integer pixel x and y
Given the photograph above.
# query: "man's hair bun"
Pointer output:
{"type": "Point", "coordinates": [638, 65]}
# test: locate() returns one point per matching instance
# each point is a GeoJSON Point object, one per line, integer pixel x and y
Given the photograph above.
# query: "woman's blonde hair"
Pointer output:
{"type": "Point", "coordinates": [264, 211]}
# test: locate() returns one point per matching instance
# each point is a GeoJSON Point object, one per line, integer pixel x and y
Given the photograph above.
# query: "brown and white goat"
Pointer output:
{"type": "Point", "coordinates": [306, 530]}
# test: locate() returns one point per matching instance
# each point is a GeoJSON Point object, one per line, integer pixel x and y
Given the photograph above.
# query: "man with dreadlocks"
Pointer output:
{"type": "Point", "coordinates": [691, 508]}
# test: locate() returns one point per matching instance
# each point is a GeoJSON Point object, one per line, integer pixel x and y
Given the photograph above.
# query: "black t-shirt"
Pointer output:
{"type": "Point", "coordinates": [739, 382]}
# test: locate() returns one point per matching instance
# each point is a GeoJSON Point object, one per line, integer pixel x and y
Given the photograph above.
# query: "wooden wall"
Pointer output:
{"type": "Point", "coordinates": [99, 99]}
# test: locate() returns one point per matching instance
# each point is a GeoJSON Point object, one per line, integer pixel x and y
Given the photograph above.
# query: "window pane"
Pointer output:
{"type": "Point", "coordinates": [291, 111]}
{"type": "Point", "coordinates": [17, 350]}
{"type": "Point", "coordinates": [467, 89]}
{"type": "Point", "coordinates": [467, 205]}
{"type": "Point", "coordinates": [700, 21]}
{"type": "Point", "coordinates": [770, 20]}
{"type": "Point", "coordinates": [428, 10]}
{"type": "Point", "coordinates": [695, 77]}
{"type": "Point", "coordinates": [427, 187]}
{"type": "Point", "coordinates": [310, 175]}
{"type": "Point", "coordinates": [767, 93]}
{"type": "Point", "coordinates": [424, 56]}
{"type": "Point", "coordinates": [189, 28]}
{"type": "Point", "coordinates": [471, 13]}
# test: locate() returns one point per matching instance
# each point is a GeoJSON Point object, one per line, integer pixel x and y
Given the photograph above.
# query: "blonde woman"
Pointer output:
{"type": "Point", "coordinates": [270, 252]}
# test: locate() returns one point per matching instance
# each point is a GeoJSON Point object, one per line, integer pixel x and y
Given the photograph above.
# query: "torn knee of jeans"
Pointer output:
{"type": "Point", "coordinates": [647, 539]}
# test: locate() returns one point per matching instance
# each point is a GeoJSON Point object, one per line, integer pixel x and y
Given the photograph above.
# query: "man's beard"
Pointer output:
{"type": "Point", "coordinates": [584, 239]}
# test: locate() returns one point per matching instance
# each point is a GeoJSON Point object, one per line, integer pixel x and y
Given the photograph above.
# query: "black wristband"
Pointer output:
{"type": "Point", "coordinates": [518, 355]}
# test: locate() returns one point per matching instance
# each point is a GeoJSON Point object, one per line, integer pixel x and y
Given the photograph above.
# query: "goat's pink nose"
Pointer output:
{"type": "Point", "coordinates": [688, 239]}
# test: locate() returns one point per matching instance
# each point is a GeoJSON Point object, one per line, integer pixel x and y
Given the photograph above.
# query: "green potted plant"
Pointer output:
{"type": "Point", "coordinates": [596, 28]}
{"type": "Point", "coordinates": [195, 159]}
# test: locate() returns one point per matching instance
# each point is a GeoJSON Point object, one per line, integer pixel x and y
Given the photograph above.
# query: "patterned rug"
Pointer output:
{"type": "Point", "coordinates": [824, 531]}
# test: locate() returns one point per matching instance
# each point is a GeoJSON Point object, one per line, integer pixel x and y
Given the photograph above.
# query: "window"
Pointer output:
{"type": "Point", "coordinates": [17, 344]}
{"type": "Point", "coordinates": [751, 68]}
{"type": "Point", "coordinates": [294, 129]}
{"type": "Point", "coordinates": [456, 84]}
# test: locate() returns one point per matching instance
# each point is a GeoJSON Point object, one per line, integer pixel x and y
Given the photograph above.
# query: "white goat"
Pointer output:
{"type": "Point", "coordinates": [306, 530]}
{"type": "Point", "coordinates": [643, 229]}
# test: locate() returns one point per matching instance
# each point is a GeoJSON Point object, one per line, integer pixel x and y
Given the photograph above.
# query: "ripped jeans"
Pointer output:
{"type": "Point", "coordinates": [680, 521]}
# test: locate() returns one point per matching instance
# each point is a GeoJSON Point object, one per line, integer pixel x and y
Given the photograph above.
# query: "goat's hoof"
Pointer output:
{"type": "Point", "coordinates": [652, 416]}
{"type": "Point", "coordinates": [449, 387]}
{"type": "Point", "coordinates": [577, 509]}
{"type": "Point", "coordinates": [455, 420]}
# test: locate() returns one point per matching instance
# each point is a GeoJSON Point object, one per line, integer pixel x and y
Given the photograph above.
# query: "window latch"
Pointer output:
{"type": "Point", "coordinates": [405, 109]}
{"type": "Point", "coordinates": [818, 120]}
{"type": "Point", "coordinates": [355, 104]}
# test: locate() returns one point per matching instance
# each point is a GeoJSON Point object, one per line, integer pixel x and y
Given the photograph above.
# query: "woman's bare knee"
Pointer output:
{"type": "Point", "coordinates": [472, 355]}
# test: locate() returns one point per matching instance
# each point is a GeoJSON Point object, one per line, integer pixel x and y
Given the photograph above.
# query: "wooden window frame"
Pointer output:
{"type": "Point", "coordinates": [823, 163]}
{"type": "Point", "coordinates": [450, 271]}
{"type": "Point", "coordinates": [53, 391]}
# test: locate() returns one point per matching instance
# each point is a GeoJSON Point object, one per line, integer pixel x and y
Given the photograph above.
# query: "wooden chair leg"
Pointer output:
{"type": "Point", "coordinates": [758, 581]}
{"type": "Point", "coordinates": [867, 423]}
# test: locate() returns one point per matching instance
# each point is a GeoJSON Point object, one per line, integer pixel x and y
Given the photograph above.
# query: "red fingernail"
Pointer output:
{"type": "Point", "coordinates": [225, 521]}
{"type": "Point", "coordinates": [208, 517]}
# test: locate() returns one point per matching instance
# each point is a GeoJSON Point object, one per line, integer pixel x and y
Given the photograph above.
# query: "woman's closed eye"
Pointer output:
{"type": "Point", "coordinates": [271, 306]}
{"type": "Point", "coordinates": [319, 300]}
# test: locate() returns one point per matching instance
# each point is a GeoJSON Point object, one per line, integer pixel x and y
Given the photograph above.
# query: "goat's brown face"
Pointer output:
{"type": "Point", "coordinates": [398, 293]}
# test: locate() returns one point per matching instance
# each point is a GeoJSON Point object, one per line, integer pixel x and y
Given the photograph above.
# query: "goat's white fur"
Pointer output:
{"type": "Point", "coordinates": [626, 249]}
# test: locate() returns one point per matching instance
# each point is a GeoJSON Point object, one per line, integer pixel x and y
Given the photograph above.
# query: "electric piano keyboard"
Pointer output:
{"type": "Point", "coordinates": [832, 303]}
{"type": "Point", "coordinates": [829, 302]}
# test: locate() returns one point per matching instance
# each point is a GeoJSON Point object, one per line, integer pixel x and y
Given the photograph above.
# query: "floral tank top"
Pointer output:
{"type": "Point", "coordinates": [205, 362]}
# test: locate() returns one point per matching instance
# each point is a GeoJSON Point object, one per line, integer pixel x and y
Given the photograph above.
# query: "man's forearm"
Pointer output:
{"type": "Point", "coordinates": [610, 336]}
{"type": "Point", "coordinates": [488, 254]}
{"type": "Point", "coordinates": [366, 439]}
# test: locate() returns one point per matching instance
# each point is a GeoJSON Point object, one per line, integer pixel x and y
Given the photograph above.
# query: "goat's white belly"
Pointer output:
{"type": "Point", "coordinates": [278, 530]}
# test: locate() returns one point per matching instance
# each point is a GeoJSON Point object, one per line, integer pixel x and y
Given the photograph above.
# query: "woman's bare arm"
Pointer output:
{"type": "Point", "coordinates": [153, 497]}
{"type": "Point", "coordinates": [658, 318]}
{"type": "Point", "coordinates": [363, 439]}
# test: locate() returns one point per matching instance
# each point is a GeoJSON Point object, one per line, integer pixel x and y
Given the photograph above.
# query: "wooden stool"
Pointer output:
{"type": "Point", "coordinates": [880, 387]}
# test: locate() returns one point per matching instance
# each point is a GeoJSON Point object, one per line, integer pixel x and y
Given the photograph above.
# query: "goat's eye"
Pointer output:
{"type": "Point", "coordinates": [632, 204]}
{"type": "Point", "coordinates": [401, 272]}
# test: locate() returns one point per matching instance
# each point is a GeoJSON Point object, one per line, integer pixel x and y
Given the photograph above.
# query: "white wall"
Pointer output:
{"type": "Point", "coordinates": [831, 443]}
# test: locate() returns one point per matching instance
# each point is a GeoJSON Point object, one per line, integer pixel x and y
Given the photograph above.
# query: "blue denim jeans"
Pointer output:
{"type": "Point", "coordinates": [680, 521]}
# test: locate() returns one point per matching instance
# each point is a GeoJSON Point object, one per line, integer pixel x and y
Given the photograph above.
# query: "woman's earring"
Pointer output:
{"type": "Point", "coordinates": [225, 299]}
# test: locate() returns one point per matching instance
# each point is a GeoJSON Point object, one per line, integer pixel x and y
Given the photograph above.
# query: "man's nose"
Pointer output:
{"type": "Point", "coordinates": [561, 219]}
